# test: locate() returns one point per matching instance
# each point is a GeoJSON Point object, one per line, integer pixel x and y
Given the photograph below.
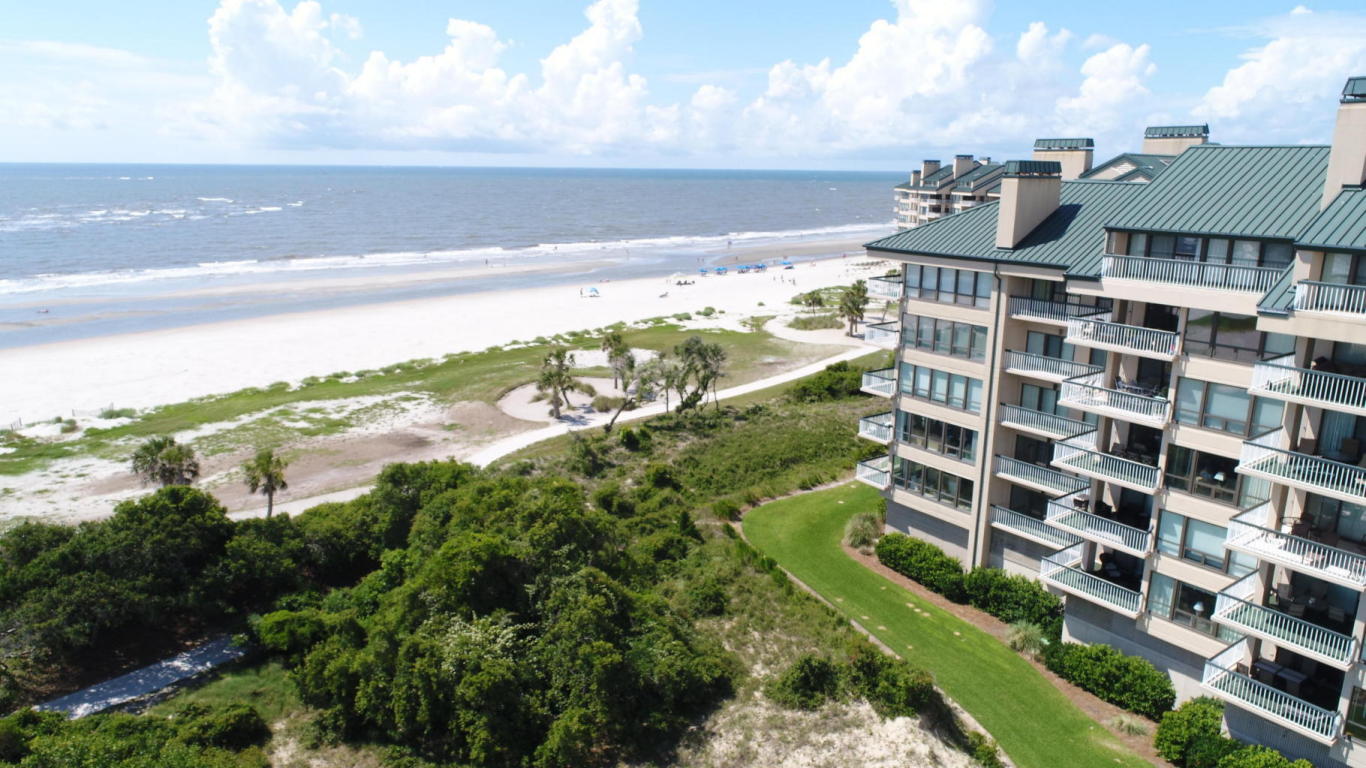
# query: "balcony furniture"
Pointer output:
{"type": "Point", "coordinates": [1265, 670]}
{"type": "Point", "coordinates": [1296, 610]}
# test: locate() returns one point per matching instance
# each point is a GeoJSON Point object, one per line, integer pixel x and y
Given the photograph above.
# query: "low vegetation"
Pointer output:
{"type": "Point", "coordinates": [1191, 736]}
{"type": "Point", "coordinates": [819, 322]}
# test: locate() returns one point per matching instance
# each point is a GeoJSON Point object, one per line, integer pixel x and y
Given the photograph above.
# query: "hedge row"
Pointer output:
{"type": "Point", "coordinates": [1125, 681]}
{"type": "Point", "coordinates": [1191, 737]}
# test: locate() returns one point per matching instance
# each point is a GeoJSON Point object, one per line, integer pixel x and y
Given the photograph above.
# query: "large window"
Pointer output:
{"type": "Point", "coordinates": [950, 286]}
{"type": "Point", "coordinates": [944, 337]}
{"type": "Point", "coordinates": [1037, 398]}
{"type": "Point", "coordinates": [1184, 604]}
{"type": "Point", "coordinates": [1356, 714]}
{"type": "Point", "coordinates": [1199, 542]}
{"type": "Point", "coordinates": [937, 436]}
{"type": "Point", "coordinates": [1232, 337]}
{"type": "Point", "coordinates": [1214, 477]}
{"type": "Point", "coordinates": [944, 487]}
{"type": "Point", "coordinates": [1349, 268]}
{"type": "Point", "coordinates": [1224, 408]}
{"type": "Point", "coordinates": [951, 389]}
{"type": "Point", "coordinates": [1217, 250]}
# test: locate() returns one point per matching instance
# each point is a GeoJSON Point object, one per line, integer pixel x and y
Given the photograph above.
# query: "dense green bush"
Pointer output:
{"type": "Point", "coordinates": [1203, 716]}
{"type": "Point", "coordinates": [837, 381]}
{"type": "Point", "coordinates": [892, 686]}
{"type": "Point", "coordinates": [1012, 598]}
{"type": "Point", "coordinates": [815, 322]}
{"type": "Point", "coordinates": [1257, 756]}
{"type": "Point", "coordinates": [923, 562]}
{"type": "Point", "coordinates": [231, 726]}
{"type": "Point", "coordinates": [984, 750]}
{"type": "Point", "coordinates": [49, 740]}
{"type": "Point", "coordinates": [1125, 681]}
{"type": "Point", "coordinates": [807, 683]}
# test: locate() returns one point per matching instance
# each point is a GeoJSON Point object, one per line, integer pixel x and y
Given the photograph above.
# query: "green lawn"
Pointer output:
{"type": "Point", "coordinates": [1031, 720]}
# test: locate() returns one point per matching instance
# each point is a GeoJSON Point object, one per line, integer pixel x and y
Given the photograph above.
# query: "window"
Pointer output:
{"type": "Point", "coordinates": [946, 488]}
{"type": "Point", "coordinates": [1234, 337]}
{"type": "Point", "coordinates": [1213, 476]}
{"type": "Point", "coordinates": [937, 436]}
{"type": "Point", "coordinates": [951, 389]}
{"type": "Point", "coordinates": [1341, 518]}
{"type": "Point", "coordinates": [1187, 605]}
{"type": "Point", "coordinates": [950, 286]}
{"type": "Point", "coordinates": [944, 337]}
{"type": "Point", "coordinates": [1033, 450]}
{"type": "Point", "coordinates": [1048, 290]}
{"type": "Point", "coordinates": [1224, 408]}
{"type": "Point", "coordinates": [1028, 502]}
{"type": "Point", "coordinates": [1200, 542]}
{"type": "Point", "coordinates": [1048, 344]}
{"type": "Point", "coordinates": [1037, 398]}
{"type": "Point", "coordinates": [1356, 714]}
{"type": "Point", "coordinates": [1252, 253]}
{"type": "Point", "coordinates": [1345, 268]}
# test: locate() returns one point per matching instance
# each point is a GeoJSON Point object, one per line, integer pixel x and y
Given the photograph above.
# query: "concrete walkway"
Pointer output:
{"type": "Point", "coordinates": [146, 681]}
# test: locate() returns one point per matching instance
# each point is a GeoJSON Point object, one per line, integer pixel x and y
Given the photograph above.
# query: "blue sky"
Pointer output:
{"type": "Point", "coordinates": [855, 84]}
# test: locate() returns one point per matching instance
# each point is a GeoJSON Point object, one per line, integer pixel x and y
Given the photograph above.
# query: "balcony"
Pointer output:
{"type": "Point", "coordinates": [1079, 454]}
{"type": "Point", "coordinates": [1059, 312]}
{"type": "Point", "coordinates": [1084, 393]}
{"type": "Point", "coordinates": [1063, 570]}
{"type": "Point", "coordinates": [885, 287]}
{"type": "Point", "coordinates": [881, 382]}
{"type": "Point", "coordinates": [1038, 366]}
{"type": "Point", "coordinates": [1280, 379]}
{"type": "Point", "coordinates": [886, 335]}
{"type": "Point", "coordinates": [1337, 298]}
{"type": "Point", "coordinates": [1263, 457]}
{"type": "Point", "coordinates": [1227, 678]}
{"type": "Point", "coordinates": [877, 428]}
{"type": "Point", "coordinates": [875, 472]}
{"type": "Point", "coordinates": [1028, 527]}
{"type": "Point", "coordinates": [1047, 425]}
{"type": "Point", "coordinates": [1039, 478]}
{"type": "Point", "coordinates": [1098, 332]}
{"type": "Point", "coordinates": [1237, 608]}
{"type": "Point", "coordinates": [1191, 274]}
{"type": "Point", "coordinates": [1251, 533]}
{"type": "Point", "coordinates": [1071, 513]}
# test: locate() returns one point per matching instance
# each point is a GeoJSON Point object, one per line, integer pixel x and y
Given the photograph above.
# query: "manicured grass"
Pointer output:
{"type": "Point", "coordinates": [1032, 721]}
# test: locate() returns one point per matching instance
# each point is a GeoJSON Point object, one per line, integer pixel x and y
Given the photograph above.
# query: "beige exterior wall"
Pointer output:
{"type": "Point", "coordinates": [1025, 202]}
{"type": "Point", "coordinates": [1170, 146]}
{"type": "Point", "coordinates": [1347, 162]}
{"type": "Point", "coordinates": [1074, 162]}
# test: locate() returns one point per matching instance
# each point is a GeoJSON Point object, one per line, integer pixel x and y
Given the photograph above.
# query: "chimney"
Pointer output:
{"type": "Point", "coordinates": [1173, 139]}
{"type": "Point", "coordinates": [915, 178]}
{"type": "Point", "coordinates": [1030, 191]}
{"type": "Point", "coordinates": [928, 166]}
{"type": "Point", "coordinates": [1347, 159]}
{"type": "Point", "coordinates": [962, 164]}
{"type": "Point", "coordinates": [1075, 155]}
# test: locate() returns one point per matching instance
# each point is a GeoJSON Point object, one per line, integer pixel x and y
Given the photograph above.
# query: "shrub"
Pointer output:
{"type": "Point", "coordinates": [863, 530]}
{"type": "Point", "coordinates": [836, 382]}
{"type": "Point", "coordinates": [706, 311]}
{"type": "Point", "coordinates": [635, 440]}
{"type": "Point", "coordinates": [1125, 681]}
{"type": "Point", "coordinates": [1258, 756]}
{"type": "Point", "coordinates": [726, 509]}
{"type": "Point", "coordinates": [1197, 717]}
{"type": "Point", "coordinates": [660, 476]}
{"type": "Point", "coordinates": [606, 404]}
{"type": "Point", "coordinates": [1027, 638]}
{"type": "Point", "coordinates": [683, 316]}
{"type": "Point", "coordinates": [1012, 598]}
{"type": "Point", "coordinates": [893, 687]}
{"type": "Point", "coordinates": [807, 684]}
{"type": "Point", "coordinates": [923, 562]}
{"type": "Point", "coordinates": [706, 597]}
{"type": "Point", "coordinates": [1208, 750]}
{"type": "Point", "coordinates": [1129, 725]}
{"type": "Point", "coordinates": [124, 413]}
{"type": "Point", "coordinates": [232, 726]}
{"type": "Point", "coordinates": [984, 750]}
{"type": "Point", "coordinates": [815, 322]}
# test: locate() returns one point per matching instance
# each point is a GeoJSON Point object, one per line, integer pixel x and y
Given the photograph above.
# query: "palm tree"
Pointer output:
{"type": "Point", "coordinates": [163, 461]}
{"type": "Point", "coordinates": [557, 380]}
{"type": "Point", "coordinates": [713, 364]}
{"type": "Point", "coordinates": [853, 302]}
{"type": "Point", "coordinates": [266, 473]}
{"type": "Point", "coordinates": [639, 384]}
{"type": "Point", "coordinates": [614, 344]}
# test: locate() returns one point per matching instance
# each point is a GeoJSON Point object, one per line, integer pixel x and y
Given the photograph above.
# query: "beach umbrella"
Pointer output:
{"type": "Point", "coordinates": [703, 271]}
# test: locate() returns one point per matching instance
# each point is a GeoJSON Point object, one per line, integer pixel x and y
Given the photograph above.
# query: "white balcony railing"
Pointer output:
{"type": "Point", "coordinates": [1085, 394]}
{"type": "Point", "coordinates": [1279, 378]}
{"type": "Point", "coordinates": [886, 335]}
{"type": "Point", "coordinates": [881, 382]}
{"type": "Point", "coordinates": [1063, 570]}
{"type": "Point", "coordinates": [885, 287]}
{"type": "Point", "coordinates": [1224, 678]}
{"type": "Point", "coordinates": [1263, 457]}
{"type": "Point", "coordinates": [1198, 274]}
{"type": "Point", "coordinates": [877, 428]}
{"type": "Point", "coordinates": [1048, 424]}
{"type": "Point", "coordinates": [1313, 296]}
{"type": "Point", "coordinates": [1045, 367]}
{"type": "Point", "coordinates": [1237, 607]}
{"type": "Point", "coordinates": [1033, 474]}
{"type": "Point", "coordinates": [1251, 533]}
{"type": "Point", "coordinates": [875, 472]}
{"type": "Point", "coordinates": [1043, 309]}
{"type": "Point", "coordinates": [1080, 455]}
{"type": "Point", "coordinates": [1031, 528]}
{"type": "Point", "coordinates": [1099, 332]}
{"type": "Point", "coordinates": [1069, 514]}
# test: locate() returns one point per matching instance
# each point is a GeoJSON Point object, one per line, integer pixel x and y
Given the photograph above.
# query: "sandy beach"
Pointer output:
{"type": "Point", "coordinates": [142, 370]}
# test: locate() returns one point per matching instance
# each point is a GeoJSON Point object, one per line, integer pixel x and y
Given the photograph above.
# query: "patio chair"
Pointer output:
{"type": "Point", "coordinates": [1296, 610]}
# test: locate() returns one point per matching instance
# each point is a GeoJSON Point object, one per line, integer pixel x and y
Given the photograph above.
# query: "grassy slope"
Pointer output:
{"type": "Point", "coordinates": [1033, 722]}
{"type": "Point", "coordinates": [482, 376]}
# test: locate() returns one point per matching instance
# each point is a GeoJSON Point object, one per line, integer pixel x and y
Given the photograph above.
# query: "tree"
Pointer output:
{"type": "Point", "coordinates": [638, 384]}
{"type": "Point", "coordinates": [266, 473]}
{"type": "Point", "coordinates": [813, 300]}
{"type": "Point", "coordinates": [853, 302]}
{"type": "Point", "coordinates": [557, 380]}
{"type": "Point", "coordinates": [618, 355]}
{"type": "Point", "coordinates": [163, 461]}
{"type": "Point", "coordinates": [702, 364]}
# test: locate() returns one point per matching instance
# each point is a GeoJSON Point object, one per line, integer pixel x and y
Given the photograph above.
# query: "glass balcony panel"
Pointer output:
{"type": "Point", "coordinates": [881, 382]}
{"type": "Point", "coordinates": [886, 335]}
{"type": "Point", "coordinates": [888, 287]}
{"type": "Point", "coordinates": [877, 428]}
{"type": "Point", "coordinates": [875, 472]}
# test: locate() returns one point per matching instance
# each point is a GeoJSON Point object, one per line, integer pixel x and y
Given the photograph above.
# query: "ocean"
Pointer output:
{"type": "Point", "coordinates": [88, 250]}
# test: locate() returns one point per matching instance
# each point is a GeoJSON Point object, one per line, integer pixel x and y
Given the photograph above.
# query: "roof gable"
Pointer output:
{"type": "Point", "coordinates": [1341, 225]}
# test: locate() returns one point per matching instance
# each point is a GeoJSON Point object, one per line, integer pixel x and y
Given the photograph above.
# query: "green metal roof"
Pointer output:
{"type": "Point", "coordinates": [1277, 301]}
{"type": "Point", "coordinates": [1355, 89]}
{"type": "Point", "coordinates": [1146, 165]}
{"type": "Point", "coordinates": [1175, 131]}
{"type": "Point", "coordinates": [1265, 192]}
{"type": "Point", "coordinates": [981, 174]}
{"type": "Point", "coordinates": [1342, 225]}
{"type": "Point", "coordinates": [1072, 238]}
{"type": "Point", "coordinates": [1033, 168]}
{"type": "Point", "coordinates": [1064, 144]}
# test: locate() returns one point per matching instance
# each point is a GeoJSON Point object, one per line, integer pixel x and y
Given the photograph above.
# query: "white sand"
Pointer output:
{"type": "Point", "coordinates": [153, 368]}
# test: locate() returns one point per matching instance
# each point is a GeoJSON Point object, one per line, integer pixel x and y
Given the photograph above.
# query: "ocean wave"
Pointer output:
{"type": "Point", "coordinates": [548, 252]}
{"type": "Point", "coordinates": [214, 199]}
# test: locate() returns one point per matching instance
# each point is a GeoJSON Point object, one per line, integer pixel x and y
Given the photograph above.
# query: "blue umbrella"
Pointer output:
{"type": "Point", "coordinates": [703, 270]}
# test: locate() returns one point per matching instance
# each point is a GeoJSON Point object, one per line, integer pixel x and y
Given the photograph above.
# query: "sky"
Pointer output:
{"type": "Point", "coordinates": [855, 84]}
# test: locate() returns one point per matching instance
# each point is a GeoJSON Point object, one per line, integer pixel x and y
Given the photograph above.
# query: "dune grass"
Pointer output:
{"type": "Point", "coordinates": [1031, 720]}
